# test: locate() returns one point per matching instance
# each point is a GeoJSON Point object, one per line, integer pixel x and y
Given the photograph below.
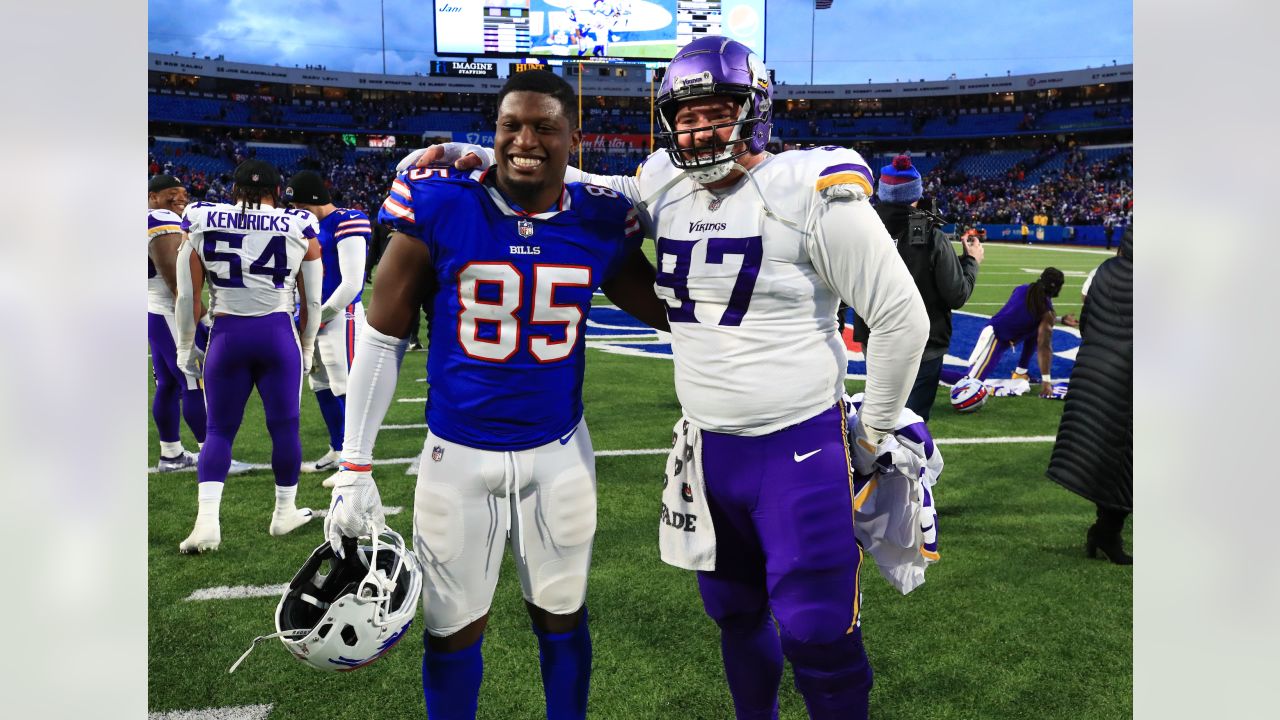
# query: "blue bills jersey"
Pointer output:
{"type": "Point", "coordinates": [512, 292]}
{"type": "Point", "coordinates": [334, 228]}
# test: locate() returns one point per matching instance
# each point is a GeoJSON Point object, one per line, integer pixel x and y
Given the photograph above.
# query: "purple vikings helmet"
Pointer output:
{"type": "Point", "coordinates": [709, 66]}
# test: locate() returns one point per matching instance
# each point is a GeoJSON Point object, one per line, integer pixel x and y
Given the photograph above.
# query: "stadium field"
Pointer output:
{"type": "Point", "coordinates": [1014, 622]}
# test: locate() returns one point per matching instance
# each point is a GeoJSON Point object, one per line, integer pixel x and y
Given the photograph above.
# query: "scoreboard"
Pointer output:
{"type": "Point", "coordinates": [572, 30]}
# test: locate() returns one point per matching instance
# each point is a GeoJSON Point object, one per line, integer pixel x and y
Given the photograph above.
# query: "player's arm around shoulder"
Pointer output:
{"type": "Point", "coordinates": [630, 285]}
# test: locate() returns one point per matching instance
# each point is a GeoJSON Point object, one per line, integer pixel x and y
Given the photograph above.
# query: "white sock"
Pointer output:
{"type": "Point", "coordinates": [285, 497]}
{"type": "Point", "coordinates": [1020, 371]}
{"type": "Point", "coordinates": [171, 449]}
{"type": "Point", "coordinates": [209, 495]}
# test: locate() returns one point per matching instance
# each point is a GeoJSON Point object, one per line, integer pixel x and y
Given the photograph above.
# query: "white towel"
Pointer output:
{"type": "Point", "coordinates": [894, 515]}
{"type": "Point", "coordinates": [686, 537]}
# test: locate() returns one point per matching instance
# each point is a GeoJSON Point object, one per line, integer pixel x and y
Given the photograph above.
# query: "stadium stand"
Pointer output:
{"type": "Point", "coordinates": [1063, 155]}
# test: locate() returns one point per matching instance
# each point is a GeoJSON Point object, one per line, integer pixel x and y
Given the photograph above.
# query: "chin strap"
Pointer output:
{"type": "Point", "coordinates": [254, 644]}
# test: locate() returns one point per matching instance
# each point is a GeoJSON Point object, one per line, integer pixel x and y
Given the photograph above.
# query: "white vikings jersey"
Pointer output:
{"type": "Point", "coordinates": [159, 299]}
{"type": "Point", "coordinates": [752, 295]}
{"type": "Point", "coordinates": [251, 256]}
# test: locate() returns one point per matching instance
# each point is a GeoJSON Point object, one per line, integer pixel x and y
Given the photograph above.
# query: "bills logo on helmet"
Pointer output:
{"type": "Point", "coordinates": [968, 395]}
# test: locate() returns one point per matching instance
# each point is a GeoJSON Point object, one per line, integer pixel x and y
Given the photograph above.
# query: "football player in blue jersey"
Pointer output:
{"type": "Point", "coordinates": [344, 241]}
{"type": "Point", "coordinates": [508, 258]}
{"type": "Point", "coordinates": [756, 250]}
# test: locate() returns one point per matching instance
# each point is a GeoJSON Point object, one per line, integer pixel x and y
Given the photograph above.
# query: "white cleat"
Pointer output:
{"type": "Point", "coordinates": [203, 538]}
{"type": "Point", "coordinates": [288, 521]}
{"type": "Point", "coordinates": [238, 468]}
{"type": "Point", "coordinates": [177, 462]}
{"type": "Point", "coordinates": [327, 463]}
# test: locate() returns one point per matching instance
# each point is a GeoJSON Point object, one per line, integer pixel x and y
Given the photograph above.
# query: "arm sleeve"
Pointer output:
{"type": "Point", "coordinates": [853, 253]}
{"type": "Point", "coordinates": [370, 387]}
{"type": "Point", "coordinates": [953, 276]}
{"type": "Point", "coordinates": [312, 282]}
{"type": "Point", "coordinates": [351, 254]}
{"type": "Point", "coordinates": [183, 309]}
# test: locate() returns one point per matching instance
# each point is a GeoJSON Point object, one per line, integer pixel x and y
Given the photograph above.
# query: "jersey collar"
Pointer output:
{"type": "Point", "coordinates": [509, 207]}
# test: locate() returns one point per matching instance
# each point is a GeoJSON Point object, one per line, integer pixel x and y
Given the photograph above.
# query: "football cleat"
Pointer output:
{"type": "Point", "coordinates": [285, 522]}
{"type": "Point", "coordinates": [203, 538]}
{"type": "Point", "coordinates": [178, 462]}
{"type": "Point", "coordinates": [327, 463]}
{"type": "Point", "coordinates": [968, 395]}
{"type": "Point", "coordinates": [238, 468]}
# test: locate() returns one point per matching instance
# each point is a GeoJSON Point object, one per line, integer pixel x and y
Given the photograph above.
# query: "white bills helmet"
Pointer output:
{"type": "Point", "coordinates": [339, 614]}
{"type": "Point", "coordinates": [968, 395]}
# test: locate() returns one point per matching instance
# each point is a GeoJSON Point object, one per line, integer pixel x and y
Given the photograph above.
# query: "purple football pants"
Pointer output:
{"type": "Point", "coordinates": [244, 353]}
{"type": "Point", "coordinates": [172, 387]}
{"type": "Point", "coordinates": [782, 505]}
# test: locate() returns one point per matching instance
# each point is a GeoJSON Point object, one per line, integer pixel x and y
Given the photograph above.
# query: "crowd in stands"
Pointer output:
{"type": "Point", "coordinates": [1056, 184]}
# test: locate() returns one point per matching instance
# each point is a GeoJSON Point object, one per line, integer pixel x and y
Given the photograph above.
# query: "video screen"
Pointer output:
{"type": "Point", "coordinates": [585, 29]}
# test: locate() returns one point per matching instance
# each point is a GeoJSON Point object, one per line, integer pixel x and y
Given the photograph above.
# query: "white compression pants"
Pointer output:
{"type": "Point", "coordinates": [464, 505]}
{"type": "Point", "coordinates": [335, 350]}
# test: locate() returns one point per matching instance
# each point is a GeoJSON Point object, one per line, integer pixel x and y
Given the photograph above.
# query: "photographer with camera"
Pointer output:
{"type": "Point", "coordinates": [945, 280]}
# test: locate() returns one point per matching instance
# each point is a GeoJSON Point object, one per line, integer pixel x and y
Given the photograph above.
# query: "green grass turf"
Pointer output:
{"type": "Point", "coordinates": [1013, 623]}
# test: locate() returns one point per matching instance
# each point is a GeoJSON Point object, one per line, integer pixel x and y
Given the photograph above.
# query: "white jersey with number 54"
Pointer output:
{"type": "Point", "coordinates": [251, 256]}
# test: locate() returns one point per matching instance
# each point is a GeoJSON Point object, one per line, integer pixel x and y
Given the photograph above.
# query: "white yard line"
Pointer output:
{"type": "Point", "coordinates": [237, 712]}
{"type": "Point", "coordinates": [1020, 246]}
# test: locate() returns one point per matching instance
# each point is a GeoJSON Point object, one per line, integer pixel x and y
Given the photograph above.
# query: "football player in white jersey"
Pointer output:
{"type": "Point", "coordinates": [166, 199]}
{"type": "Point", "coordinates": [344, 241]}
{"type": "Point", "coordinates": [253, 254]}
{"type": "Point", "coordinates": [754, 253]}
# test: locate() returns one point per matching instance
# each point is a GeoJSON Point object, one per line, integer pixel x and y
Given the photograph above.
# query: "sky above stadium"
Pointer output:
{"type": "Point", "coordinates": [856, 40]}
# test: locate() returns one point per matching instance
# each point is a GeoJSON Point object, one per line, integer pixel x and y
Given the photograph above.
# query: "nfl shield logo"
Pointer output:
{"type": "Point", "coordinates": [525, 228]}
{"type": "Point", "coordinates": [437, 452]}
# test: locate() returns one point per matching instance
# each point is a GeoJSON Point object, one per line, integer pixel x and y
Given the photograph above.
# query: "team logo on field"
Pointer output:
{"type": "Point", "coordinates": [524, 227]}
{"type": "Point", "coordinates": [437, 452]}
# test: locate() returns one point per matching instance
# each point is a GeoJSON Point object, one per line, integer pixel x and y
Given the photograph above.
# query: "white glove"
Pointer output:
{"type": "Point", "coordinates": [872, 449]}
{"type": "Point", "coordinates": [191, 361]}
{"type": "Point", "coordinates": [452, 152]}
{"type": "Point", "coordinates": [355, 508]}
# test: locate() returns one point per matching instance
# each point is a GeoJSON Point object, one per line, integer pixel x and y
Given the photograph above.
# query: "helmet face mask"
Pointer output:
{"type": "Point", "coordinates": [712, 67]}
{"type": "Point", "coordinates": [342, 614]}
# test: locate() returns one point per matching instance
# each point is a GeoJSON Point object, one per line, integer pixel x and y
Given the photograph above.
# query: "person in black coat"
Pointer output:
{"type": "Point", "coordinates": [1093, 454]}
{"type": "Point", "coordinates": [945, 280]}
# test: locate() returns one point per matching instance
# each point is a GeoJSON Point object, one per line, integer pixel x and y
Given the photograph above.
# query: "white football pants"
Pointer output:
{"type": "Point", "coordinates": [464, 507]}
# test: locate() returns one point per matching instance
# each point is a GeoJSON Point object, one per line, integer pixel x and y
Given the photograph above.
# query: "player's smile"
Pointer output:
{"type": "Point", "coordinates": [532, 144]}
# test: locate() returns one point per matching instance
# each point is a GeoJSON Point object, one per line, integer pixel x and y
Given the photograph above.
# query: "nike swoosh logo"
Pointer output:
{"type": "Point", "coordinates": [926, 529]}
{"type": "Point", "coordinates": [565, 440]}
{"type": "Point", "coordinates": [801, 458]}
{"type": "Point", "coordinates": [336, 502]}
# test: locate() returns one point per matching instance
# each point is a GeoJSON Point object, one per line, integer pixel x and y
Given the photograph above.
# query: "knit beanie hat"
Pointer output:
{"type": "Point", "coordinates": [307, 187]}
{"type": "Point", "coordinates": [900, 182]}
